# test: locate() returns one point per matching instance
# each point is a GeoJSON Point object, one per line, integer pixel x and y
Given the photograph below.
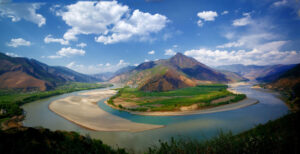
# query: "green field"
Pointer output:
{"type": "Point", "coordinates": [11, 100]}
{"type": "Point", "coordinates": [203, 95]}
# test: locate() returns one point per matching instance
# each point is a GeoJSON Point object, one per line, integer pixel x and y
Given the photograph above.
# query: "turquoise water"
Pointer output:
{"type": "Point", "coordinates": [199, 127]}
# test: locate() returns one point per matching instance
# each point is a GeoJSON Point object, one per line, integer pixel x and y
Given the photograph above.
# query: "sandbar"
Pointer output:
{"type": "Point", "coordinates": [84, 111]}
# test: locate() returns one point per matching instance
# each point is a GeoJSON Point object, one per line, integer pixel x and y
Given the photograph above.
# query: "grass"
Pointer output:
{"type": "Point", "coordinates": [11, 100]}
{"type": "Point", "coordinates": [202, 95]}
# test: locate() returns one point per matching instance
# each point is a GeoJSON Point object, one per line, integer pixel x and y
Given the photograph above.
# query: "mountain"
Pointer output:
{"type": "Point", "coordinates": [247, 71]}
{"type": "Point", "coordinates": [288, 80]}
{"type": "Point", "coordinates": [265, 73]}
{"type": "Point", "coordinates": [234, 77]}
{"type": "Point", "coordinates": [176, 72]}
{"type": "Point", "coordinates": [104, 76]}
{"type": "Point", "coordinates": [108, 75]}
{"type": "Point", "coordinates": [27, 74]}
{"type": "Point", "coordinates": [274, 72]}
{"type": "Point", "coordinates": [289, 84]}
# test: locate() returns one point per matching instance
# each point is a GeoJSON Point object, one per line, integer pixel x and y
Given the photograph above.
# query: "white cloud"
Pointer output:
{"type": "Point", "coordinates": [152, 52]}
{"type": "Point", "coordinates": [255, 56]}
{"type": "Point", "coordinates": [50, 39]}
{"type": "Point", "coordinates": [263, 41]}
{"type": "Point", "coordinates": [11, 54]}
{"type": "Point", "coordinates": [258, 44]}
{"type": "Point", "coordinates": [67, 52]}
{"type": "Point", "coordinates": [200, 23]}
{"type": "Point", "coordinates": [26, 11]}
{"type": "Point", "coordinates": [246, 20]}
{"type": "Point", "coordinates": [70, 65]}
{"type": "Point", "coordinates": [122, 63]}
{"type": "Point", "coordinates": [82, 45]}
{"type": "Point", "coordinates": [258, 36]}
{"type": "Point", "coordinates": [231, 44]}
{"type": "Point", "coordinates": [146, 60]}
{"type": "Point", "coordinates": [207, 15]}
{"type": "Point", "coordinates": [170, 52]}
{"type": "Point", "coordinates": [251, 40]}
{"type": "Point", "coordinates": [229, 35]}
{"type": "Point", "coordinates": [54, 8]}
{"type": "Point", "coordinates": [111, 21]}
{"type": "Point", "coordinates": [280, 3]}
{"type": "Point", "coordinates": [97, 68]}
{"type": "Point", "coordinates": [139, 24]}
{"type": "Point", "coordinates": [18, 42]}
{"type": "Point", "coordinates": [224, 12]}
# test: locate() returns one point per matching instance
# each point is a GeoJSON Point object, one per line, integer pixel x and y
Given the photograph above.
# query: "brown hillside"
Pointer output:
{"type": "Point", "coordinates": [171, 80]}
{"type": "Point", "coordinates": [21, 80]}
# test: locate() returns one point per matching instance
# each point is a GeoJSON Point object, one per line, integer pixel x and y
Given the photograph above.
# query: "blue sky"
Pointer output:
{"type": "Point", "coordinates": [92, 37]}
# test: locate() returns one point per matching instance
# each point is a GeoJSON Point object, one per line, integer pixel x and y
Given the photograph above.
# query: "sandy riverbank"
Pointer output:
{"type": "Point", "coordinates": [244, 103]}
{"type": "Point", "coordinates": [84, 111]}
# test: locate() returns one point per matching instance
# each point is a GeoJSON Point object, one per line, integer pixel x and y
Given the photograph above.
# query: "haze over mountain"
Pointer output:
{"type": "Point", "coordinates": [265, 73]}
{"type": "Point", "coordinates": [176, 72]}
{"type": "Point", "coordinates": [106, 76]}
{"type": "Point", "coordinates": [24, 73]}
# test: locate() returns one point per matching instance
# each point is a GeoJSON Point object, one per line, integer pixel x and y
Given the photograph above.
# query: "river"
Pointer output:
{"type": "Point", "coordinates": [202, 126]}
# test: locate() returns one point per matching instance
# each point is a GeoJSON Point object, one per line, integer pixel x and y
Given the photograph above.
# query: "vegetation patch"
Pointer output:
{"type": "Point", "coordinates": [203, 95]}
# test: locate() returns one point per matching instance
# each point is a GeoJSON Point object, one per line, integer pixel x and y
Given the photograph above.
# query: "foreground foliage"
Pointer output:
{"type": "Point", "coordinates": [11, 100]}
{"type": "Point", "coordinates": [31, 140]}
{"type": "Point", "coordinates": [279, 136]}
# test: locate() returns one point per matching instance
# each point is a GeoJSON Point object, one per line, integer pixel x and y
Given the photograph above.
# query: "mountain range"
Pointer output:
{"type": "Point", "coordinates": [266, 73]}
{"type": "Point", "coordinates": [28, 74]}
{"type": "Point", "coordinates": [179, 71]}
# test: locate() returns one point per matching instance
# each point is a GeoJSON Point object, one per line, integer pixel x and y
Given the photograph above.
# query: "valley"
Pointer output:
{"type": "Point", "coordinates": [150, 77]}
{"type": "Point", "coordinates": [154, 100]}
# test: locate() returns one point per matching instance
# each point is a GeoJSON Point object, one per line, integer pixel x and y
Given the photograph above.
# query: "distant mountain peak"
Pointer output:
{"type": "Point", "coordinates": [183, 61]}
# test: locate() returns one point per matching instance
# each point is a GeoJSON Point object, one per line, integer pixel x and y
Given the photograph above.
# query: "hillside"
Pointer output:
{"type": "Point", "coordinates": [30, 74]}
{"type": "Point", "coordinates": [289, 84]}
{"type": "Point", "coordinates": [176, 72]}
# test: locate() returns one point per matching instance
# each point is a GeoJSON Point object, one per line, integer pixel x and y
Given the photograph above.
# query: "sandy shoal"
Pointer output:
{"type": "Point", "coordinates": [233, 106]}
{"type": "Point", "coordinates": [84, 111]}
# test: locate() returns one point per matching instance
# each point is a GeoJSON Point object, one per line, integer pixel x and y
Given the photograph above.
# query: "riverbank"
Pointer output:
{"type": "Point", "coordinates": [233, 106]}
{"type": "Point", "coordinates": [12, 100]}
{"type": "Point", "coordinates": [84, 111]}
